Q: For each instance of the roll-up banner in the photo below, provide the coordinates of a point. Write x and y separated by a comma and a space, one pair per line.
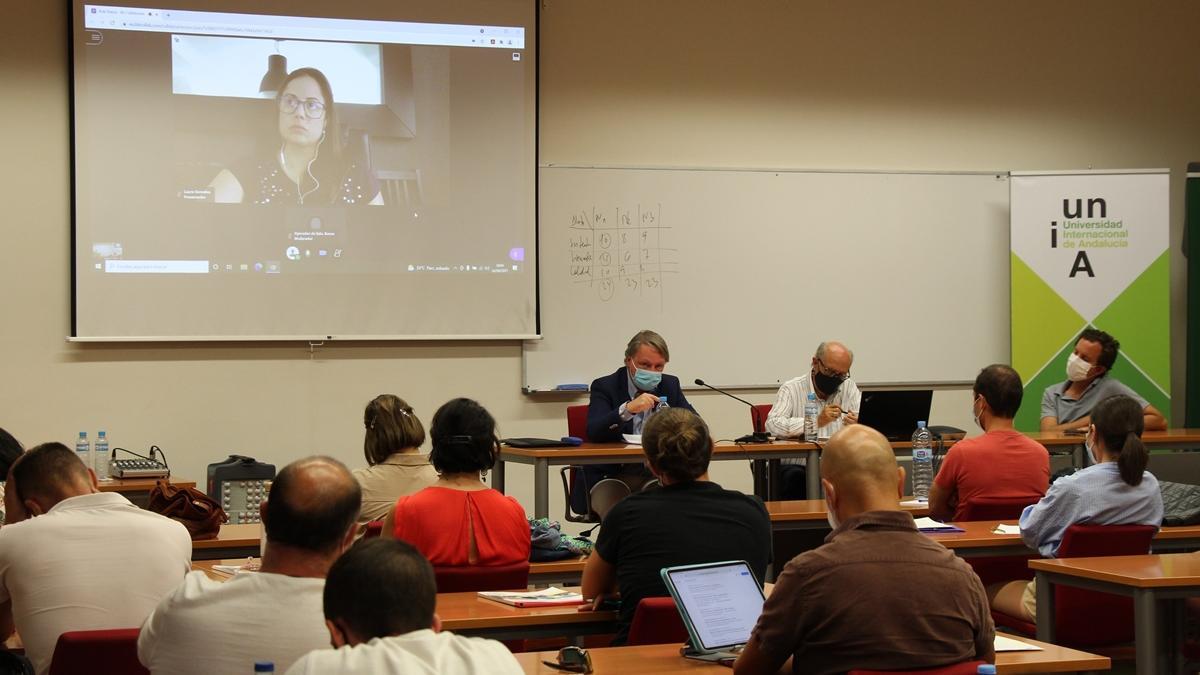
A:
1089, 248
1191, 249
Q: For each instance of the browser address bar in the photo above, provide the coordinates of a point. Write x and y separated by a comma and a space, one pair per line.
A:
98, 17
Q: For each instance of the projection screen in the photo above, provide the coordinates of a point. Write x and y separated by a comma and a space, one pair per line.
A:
271, 170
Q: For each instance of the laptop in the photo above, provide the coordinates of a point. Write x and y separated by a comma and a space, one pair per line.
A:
719, 603
895, 412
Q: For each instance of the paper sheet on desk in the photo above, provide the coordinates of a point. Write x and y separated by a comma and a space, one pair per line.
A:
1007, 644
632, 439
915, 503
1007, 529
927, 524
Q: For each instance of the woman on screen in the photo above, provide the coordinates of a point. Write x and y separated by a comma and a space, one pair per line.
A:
310, 165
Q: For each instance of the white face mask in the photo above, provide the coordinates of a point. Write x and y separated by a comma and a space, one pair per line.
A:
831, 517
1077, 368
1090, 445
978, 416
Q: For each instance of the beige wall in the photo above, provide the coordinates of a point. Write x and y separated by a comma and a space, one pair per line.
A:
866, 84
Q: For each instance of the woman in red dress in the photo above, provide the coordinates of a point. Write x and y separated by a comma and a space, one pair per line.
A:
459, 520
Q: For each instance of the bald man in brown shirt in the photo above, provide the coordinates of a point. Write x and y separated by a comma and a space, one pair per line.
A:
878, 594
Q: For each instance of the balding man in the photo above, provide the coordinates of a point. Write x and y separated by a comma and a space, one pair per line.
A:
74, 558
837, 397
206, 626
878, 594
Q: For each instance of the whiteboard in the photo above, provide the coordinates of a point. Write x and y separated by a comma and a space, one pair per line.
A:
744, 272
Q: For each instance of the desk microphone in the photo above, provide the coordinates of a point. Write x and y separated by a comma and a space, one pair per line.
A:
757, 436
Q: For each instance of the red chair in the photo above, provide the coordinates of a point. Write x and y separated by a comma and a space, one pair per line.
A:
997, 508
577, 421
97, 652
965, 668
656, 621
1000, 568
1090, 618
758, 417
374, 529
458, 579
576, 426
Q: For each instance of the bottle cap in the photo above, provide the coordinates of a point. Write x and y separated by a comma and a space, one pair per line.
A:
920, 425
662, 398
264, 666
812, 396
100, 433
986, 669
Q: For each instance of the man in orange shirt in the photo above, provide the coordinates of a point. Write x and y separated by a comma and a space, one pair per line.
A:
1002, 462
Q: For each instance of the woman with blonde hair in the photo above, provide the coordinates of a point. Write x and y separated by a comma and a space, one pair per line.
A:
392, 446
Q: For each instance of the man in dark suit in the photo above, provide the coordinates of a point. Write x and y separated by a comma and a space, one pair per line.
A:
619, 405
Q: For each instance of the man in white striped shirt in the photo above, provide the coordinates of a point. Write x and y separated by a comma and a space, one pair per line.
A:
838, 399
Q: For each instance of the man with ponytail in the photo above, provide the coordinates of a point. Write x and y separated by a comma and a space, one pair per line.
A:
1117, 490
688, 520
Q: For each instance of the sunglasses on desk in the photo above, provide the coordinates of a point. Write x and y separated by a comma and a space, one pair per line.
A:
572, 660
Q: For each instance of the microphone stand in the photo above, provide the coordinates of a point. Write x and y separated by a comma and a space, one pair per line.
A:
757, 436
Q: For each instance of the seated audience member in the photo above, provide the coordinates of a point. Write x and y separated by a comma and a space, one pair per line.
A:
396, 466
620, 404
1117, 490
89, 560
1067, 405
380, 599
459, 520
10, 449
838, 400
1002, 462
207, 626
878, 594
689, 520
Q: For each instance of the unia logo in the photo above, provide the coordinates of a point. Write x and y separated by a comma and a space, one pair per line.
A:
1082, 232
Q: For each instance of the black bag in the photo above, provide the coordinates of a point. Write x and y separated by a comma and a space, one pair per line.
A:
1181, 503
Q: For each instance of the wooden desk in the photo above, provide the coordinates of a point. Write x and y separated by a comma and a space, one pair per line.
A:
809, 514
137, 490
615, 453
1156, 582
1173, 439
978, 539
468, 614
666, 659
233, 541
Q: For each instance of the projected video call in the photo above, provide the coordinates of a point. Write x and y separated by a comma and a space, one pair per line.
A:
254, 145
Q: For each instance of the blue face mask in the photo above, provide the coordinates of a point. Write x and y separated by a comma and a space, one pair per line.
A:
646, 380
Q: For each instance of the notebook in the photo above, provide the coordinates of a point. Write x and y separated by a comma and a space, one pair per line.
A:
719, 603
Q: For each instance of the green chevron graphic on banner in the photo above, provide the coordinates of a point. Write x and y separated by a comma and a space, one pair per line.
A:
1029, 417
1137, 317
1042, 322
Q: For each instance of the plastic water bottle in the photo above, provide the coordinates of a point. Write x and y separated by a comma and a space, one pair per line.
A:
83, 448
985, 669
101, 456
264, 666
922, 461
810, 418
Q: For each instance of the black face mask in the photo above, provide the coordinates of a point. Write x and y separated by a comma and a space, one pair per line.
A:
826, 384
